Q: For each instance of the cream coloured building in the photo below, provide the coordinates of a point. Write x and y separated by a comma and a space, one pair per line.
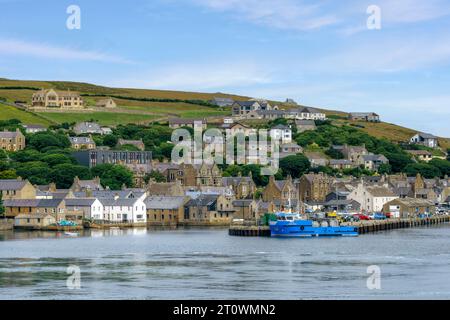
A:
57, 99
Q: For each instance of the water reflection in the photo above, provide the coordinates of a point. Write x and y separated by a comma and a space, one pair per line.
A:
199, 263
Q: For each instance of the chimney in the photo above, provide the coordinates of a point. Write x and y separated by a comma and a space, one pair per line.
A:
88, 193
116, 197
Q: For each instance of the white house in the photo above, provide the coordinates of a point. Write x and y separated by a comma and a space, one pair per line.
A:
425, 139
371, 198
124, 210
92, 208
281, 133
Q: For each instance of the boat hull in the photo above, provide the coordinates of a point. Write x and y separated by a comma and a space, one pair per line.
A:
306, 231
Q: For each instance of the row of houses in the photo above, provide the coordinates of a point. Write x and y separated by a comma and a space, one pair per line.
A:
234, 198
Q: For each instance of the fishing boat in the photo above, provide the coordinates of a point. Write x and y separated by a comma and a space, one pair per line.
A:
289, 224
292, 224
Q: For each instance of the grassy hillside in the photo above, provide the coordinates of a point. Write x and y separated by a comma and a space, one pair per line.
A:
132, 110
8, 112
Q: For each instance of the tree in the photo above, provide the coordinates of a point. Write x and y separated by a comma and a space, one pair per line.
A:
155, 175
334, 154
385, 168
42, 140
8, 174
426, 170
442, 165
295, 165
113, 176
110, 140
398, 161
63, 174
35, 171
55, 159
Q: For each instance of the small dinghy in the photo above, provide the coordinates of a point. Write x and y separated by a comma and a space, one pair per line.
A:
71, 234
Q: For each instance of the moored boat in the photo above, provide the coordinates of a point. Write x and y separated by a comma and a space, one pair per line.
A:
289, 224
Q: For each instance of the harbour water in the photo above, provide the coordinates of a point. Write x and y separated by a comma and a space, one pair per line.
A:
206, 263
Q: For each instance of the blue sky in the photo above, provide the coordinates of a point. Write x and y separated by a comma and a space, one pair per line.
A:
318, 52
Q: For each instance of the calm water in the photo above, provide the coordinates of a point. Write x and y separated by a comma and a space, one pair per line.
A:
209, 264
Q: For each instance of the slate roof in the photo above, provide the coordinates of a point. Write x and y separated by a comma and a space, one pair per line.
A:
202, 200
12, 184
80, 202
166, 203
85, 140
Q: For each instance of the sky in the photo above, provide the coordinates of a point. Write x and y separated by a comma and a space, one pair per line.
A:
320, 53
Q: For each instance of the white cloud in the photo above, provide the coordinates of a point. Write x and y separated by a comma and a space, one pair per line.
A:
40, 50
281, 14
200, 77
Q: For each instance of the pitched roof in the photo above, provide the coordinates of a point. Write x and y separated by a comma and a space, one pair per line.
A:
377, 191
202, 200
12, 184
85, 140
80, 202
118, 202
164, 202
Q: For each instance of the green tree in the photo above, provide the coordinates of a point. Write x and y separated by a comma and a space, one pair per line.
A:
110, 140
55, 159
426, 170
385, 168
113, 176
155, 175
442, 165
42, 140
8, 174
63, 174
295, 165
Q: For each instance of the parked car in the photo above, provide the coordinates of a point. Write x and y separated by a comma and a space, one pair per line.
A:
378, 216
361, 216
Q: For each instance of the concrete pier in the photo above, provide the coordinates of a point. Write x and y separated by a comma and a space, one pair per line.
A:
363, 226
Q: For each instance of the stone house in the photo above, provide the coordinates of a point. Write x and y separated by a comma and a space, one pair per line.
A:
317, 159
176, 123
280, 190
83, 185
12, 141
106, 103
364, 116
409, 207
137, 143
165, 210
17, 189
33, 221
87, 127
165, 189
34, 128
57, 99
246, 209
372, 198
421, 155
86, 143
305, 125
243, 187
314, 187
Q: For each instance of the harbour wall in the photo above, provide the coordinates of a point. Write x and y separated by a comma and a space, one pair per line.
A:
364, 227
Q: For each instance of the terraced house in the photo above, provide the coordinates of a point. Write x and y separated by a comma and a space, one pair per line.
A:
57, 99
12, 140
17, 189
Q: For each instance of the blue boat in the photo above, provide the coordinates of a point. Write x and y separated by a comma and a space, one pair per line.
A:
289, 224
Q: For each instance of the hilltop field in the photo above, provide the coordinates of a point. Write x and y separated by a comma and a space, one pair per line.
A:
134, 107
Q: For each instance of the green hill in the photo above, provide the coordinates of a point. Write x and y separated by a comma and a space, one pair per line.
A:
144, 105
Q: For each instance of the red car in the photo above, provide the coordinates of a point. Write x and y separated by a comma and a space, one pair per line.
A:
361, 216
